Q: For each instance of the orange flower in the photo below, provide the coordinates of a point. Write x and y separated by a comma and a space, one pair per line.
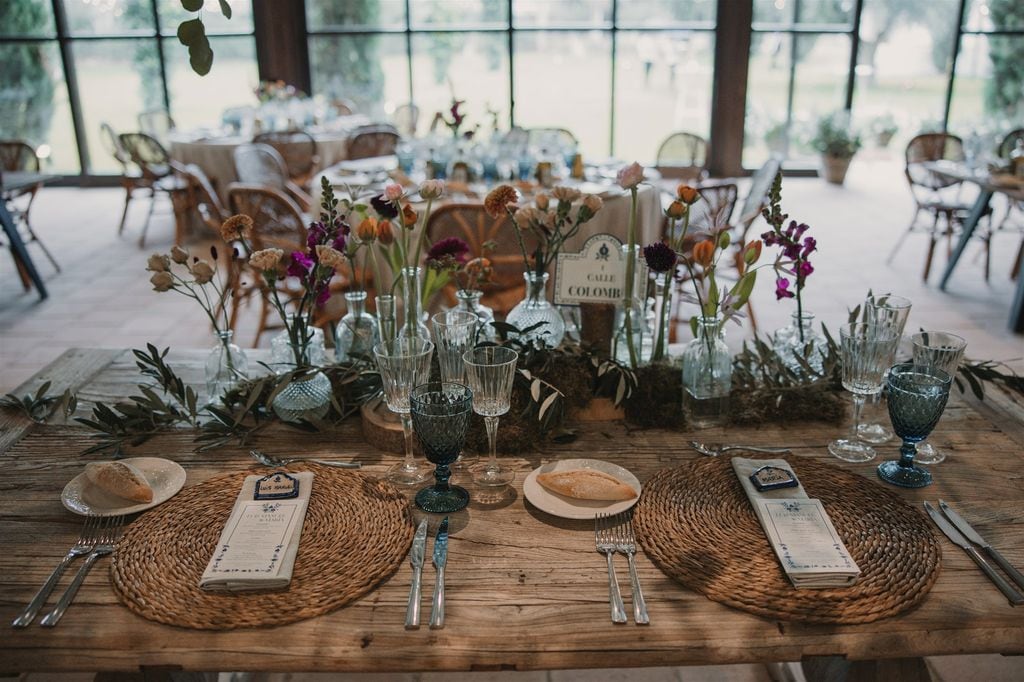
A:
498, 198
385, 234
704, 253
676, 210
367, 230
409, 216
688, 195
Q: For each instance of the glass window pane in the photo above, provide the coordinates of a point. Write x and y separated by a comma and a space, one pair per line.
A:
548, 13
662, 85
994, 15
987, 89
660, 13
767, 91
20, 18
839, 12
370, 70
819, 88
562, 81
172, 14
903, 68
34, 103
333, 14
112, 17
454, 13
469, 66
200, 100
773, 11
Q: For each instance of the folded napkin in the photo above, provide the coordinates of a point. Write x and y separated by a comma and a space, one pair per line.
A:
810, 550
257, 547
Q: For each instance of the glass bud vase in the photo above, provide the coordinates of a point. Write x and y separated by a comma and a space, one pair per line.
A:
663, 311
812, 348
357, 332
311, 351
412, 320
307, 396
536, 308
469, 300
387, 325
226, 365
707, 375
636, 320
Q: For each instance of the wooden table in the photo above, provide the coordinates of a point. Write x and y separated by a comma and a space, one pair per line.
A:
525, 590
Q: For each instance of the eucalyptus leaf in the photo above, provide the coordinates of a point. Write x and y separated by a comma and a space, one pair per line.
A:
194, 5
225, 9
190, 33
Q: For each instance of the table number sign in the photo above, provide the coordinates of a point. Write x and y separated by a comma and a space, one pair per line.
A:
596, 274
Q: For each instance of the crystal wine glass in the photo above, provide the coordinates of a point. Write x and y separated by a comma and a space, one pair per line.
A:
404, 364
440, 415
867, 351
885, 310
917, 397
490, 371
942, 350
454, 333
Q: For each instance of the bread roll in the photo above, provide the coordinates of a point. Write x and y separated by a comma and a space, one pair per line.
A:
121, 479
586, 484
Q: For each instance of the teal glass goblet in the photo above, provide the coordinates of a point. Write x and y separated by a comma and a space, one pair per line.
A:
917, 397
440, 415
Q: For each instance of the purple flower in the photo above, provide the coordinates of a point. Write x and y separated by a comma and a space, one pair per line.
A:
448, 251
660, 257
315, 235
810, 245
383, 207
300, 265
804, 269
322, 296
782, 289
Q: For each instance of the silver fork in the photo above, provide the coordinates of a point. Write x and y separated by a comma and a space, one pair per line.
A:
606, 545
713, 450
110, 531
85, 543
625, 543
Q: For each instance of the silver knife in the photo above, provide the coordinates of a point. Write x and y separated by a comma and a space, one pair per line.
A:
440, 559
953, 534
973, 536
419, 547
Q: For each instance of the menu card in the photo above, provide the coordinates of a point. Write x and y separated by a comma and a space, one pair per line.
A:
257, 547
801, 534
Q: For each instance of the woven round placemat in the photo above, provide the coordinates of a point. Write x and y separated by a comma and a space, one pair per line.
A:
696, 525
356, 533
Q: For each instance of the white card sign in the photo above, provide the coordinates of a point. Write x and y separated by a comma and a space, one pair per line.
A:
597, 274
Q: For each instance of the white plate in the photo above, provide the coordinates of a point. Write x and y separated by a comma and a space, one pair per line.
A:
165, 477
569, 507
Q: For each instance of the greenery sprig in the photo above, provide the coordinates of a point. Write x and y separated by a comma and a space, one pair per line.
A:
41, 405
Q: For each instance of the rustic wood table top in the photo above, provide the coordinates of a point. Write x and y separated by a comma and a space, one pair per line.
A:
525, 590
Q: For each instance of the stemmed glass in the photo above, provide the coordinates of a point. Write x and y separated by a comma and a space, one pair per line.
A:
917, 397
404, 364
867, 351
454, 332
883, 310
942, 350
490, 371
440, 414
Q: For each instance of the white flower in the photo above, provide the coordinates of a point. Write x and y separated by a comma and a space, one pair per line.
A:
630, 176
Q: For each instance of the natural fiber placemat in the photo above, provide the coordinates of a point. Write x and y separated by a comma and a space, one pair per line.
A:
356, 533
696, 525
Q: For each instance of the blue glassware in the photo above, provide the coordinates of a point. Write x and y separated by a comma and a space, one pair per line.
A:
917, 397
440, 415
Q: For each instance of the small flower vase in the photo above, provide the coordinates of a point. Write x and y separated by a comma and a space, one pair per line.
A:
286, 354
707, 375
357, 331
536, 308
307, 396
387, 325
663, 313
469, 300
412, 320
633, 324
812, 348
226, 365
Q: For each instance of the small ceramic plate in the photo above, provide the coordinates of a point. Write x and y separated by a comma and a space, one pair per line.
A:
571, 508
165, 477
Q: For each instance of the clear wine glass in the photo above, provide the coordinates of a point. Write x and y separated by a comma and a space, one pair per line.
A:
490, 371
404, 364
886, 310
867, 352
942, 350
454, 333
917, 397
440, 415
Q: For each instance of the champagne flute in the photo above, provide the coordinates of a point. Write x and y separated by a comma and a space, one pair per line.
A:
942, 350
490, 371
883, 310
404, 364
917, 397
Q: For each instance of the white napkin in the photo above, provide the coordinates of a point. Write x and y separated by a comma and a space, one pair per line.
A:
810, 550
257, 547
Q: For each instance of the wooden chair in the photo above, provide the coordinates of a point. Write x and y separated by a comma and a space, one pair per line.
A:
157, 175
15, 156
298, 150
683, 156
1014, 207
373, 140
156, 123
261, 164
131, 176
406, 119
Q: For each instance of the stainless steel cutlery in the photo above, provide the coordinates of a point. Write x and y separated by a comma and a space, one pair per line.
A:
713, 450
974, 537
614, 533
419, 545
271, 461
605, 543
440, 560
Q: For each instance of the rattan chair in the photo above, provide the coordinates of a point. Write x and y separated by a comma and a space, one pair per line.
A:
406, 118
204, 205
683, 156
262, 165
374, 140
131, 177
157, 175
298, 150
156, 123
1013, 219
18, 155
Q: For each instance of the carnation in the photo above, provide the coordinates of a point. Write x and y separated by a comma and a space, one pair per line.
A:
498, 199
236, 227
329, 256
566, 194
266, 259
450, 250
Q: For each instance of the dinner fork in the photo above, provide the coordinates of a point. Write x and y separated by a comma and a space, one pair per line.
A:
712, 450
109, 532
606, 545
625, 543
85, 543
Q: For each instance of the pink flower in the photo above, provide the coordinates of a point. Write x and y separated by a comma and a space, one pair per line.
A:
630, 176
393, 192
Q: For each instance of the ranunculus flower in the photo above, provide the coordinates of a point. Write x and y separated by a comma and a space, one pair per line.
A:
409, 216
660, 257
236, 227
593, 203
567, 194
162, 281
330, 257
704, 253
393, 192
179, 255
203, 272
630, 176
367, 230
688, 195
431, 189
541, 201
498, 199
266, 259
676, 210
385, 233
158, 262
479, 269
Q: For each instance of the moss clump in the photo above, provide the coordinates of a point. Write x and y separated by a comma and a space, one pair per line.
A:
573, 375
788, 405
657, 400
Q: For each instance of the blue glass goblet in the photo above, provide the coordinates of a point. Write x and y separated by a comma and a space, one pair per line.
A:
917, 397
440, 415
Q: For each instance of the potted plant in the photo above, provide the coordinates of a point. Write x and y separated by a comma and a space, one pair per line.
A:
883, 128
837, 144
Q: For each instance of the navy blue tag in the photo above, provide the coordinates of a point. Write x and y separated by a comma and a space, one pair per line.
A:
772, 478
277, 486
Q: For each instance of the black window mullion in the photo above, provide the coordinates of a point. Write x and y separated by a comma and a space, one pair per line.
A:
952, 66
71, 82
615, 41
160, 57
408, 50
793, 53
511, 69
851, 76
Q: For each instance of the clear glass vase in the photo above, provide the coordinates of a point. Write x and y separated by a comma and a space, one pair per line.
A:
469, 300
663, 312
811, 347
707, 375
308, 395
226, 366
633, 324
536, 308
357, 332
286, 354
412, 319
387, 324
